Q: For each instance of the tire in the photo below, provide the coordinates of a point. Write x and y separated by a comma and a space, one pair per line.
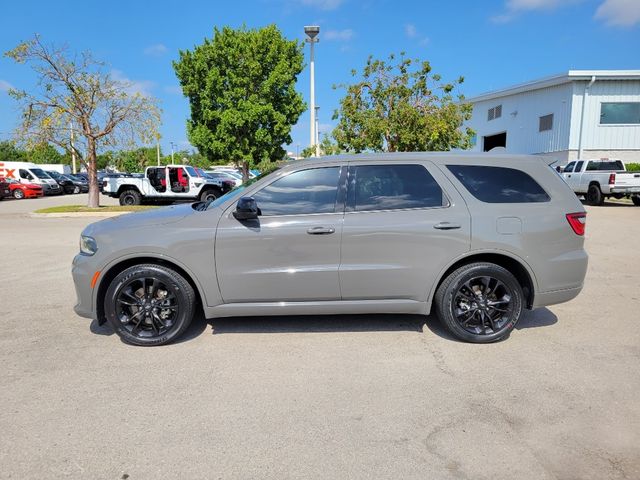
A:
477, 320
209, 194
594, 195
136, 313
636, 200
18, 194
130, 197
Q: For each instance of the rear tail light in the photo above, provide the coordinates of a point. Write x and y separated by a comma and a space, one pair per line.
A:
578, 222
612, 179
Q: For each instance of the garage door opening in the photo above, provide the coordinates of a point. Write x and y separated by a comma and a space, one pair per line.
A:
493, 141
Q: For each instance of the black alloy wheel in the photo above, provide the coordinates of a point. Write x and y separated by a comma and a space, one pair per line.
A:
482, 305
480, 302
149, 304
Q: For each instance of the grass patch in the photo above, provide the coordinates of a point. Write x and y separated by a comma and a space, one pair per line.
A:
84, 208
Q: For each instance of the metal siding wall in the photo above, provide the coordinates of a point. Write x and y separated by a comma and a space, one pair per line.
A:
604, 137
522, 129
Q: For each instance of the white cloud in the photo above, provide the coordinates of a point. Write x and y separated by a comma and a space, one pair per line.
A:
412, 32
322, 4
513, 8
143, 87
173, 89
623, 13
155, 50
339, 35
5, 86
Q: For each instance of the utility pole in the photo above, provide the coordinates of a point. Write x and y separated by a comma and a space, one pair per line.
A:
312, 32
73, 152
158, 151
172, 147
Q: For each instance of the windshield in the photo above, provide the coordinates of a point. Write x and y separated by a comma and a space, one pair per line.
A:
192, 171
38, 172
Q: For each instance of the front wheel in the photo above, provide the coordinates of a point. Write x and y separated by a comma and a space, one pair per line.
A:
636, 200
130, 197
149, 304
76, 189
480, 303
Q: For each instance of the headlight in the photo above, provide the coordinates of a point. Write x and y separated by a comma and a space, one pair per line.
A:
88, 245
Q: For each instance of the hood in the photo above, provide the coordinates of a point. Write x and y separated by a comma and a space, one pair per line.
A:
147, 218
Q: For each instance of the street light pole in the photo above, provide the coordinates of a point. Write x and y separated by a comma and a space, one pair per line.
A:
172, 146
312, 32
317, 139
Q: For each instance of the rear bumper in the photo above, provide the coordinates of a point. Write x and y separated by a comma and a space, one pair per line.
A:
627, 190
554, 297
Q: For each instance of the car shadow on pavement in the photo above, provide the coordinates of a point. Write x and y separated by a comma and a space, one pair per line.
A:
318, 324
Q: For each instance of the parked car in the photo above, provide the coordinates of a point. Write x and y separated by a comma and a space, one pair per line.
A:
26, 172
67, 184
601, 179
164, 184
232, 180
474, 238
82, 181
5, 191
21, 190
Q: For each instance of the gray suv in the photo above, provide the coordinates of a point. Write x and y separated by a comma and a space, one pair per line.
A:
475, 238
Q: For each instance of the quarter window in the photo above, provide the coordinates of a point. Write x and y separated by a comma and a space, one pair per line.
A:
499, 184
392, 187
299, 193
625, 113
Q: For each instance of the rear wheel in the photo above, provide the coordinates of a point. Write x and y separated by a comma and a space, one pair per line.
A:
636, 200
76, 189
209, 195
480, 303
130, 197
18, 194
594, 195
149, 304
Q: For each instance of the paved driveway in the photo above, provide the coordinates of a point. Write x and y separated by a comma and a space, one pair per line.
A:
320, 397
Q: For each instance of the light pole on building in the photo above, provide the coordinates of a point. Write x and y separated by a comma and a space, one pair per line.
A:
312, 32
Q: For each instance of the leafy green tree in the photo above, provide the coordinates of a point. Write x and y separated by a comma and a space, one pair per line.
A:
9, 152
400, 105
241, 90
327, 147
76, 89
44, 153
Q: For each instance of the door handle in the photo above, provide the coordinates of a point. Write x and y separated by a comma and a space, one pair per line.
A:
447, 226
321, 230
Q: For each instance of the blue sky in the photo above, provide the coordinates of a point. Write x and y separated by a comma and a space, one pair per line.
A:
493, 43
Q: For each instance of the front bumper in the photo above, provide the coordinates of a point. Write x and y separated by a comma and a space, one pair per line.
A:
49, 189
82, 271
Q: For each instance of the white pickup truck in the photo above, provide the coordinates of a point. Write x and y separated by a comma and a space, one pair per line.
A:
600, 179
164, 184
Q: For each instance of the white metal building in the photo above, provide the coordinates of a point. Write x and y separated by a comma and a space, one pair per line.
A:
580, 114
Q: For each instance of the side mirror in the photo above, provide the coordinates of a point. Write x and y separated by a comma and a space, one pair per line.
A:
246, 209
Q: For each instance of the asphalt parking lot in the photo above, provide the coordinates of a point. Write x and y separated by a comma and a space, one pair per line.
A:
317, 397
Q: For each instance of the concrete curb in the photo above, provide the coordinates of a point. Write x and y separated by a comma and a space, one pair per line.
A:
76, 214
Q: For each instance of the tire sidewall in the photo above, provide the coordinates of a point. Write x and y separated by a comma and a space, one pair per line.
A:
170, 278
458, 278
594, 195
18, 194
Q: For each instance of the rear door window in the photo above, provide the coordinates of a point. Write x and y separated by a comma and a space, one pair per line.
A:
579, 166
499, 184
392, 187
